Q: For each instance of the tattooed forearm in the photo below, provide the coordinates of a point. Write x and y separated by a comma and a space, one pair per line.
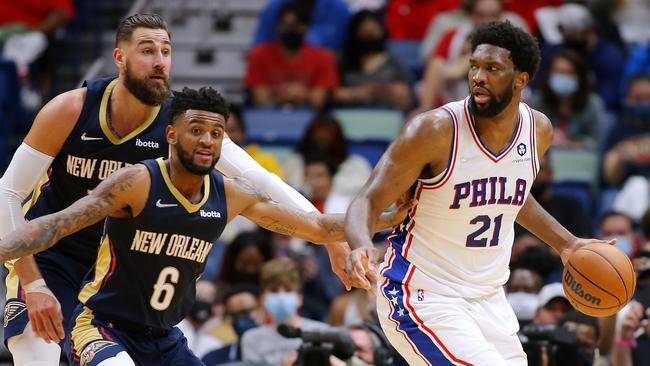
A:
42, 233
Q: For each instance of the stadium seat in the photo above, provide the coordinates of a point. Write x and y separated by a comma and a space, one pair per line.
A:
370, 124
579, 190
575, 165
370, 150
276, 126
408, 53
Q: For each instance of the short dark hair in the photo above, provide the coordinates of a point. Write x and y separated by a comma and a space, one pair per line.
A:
242, 288
580, 318
204, 99
297, 9
129, 24
524, 50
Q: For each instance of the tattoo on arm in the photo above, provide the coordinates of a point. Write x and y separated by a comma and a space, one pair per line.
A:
44, 232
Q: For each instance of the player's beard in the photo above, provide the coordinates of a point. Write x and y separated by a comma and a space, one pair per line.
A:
188, 163
496, 105
147, 92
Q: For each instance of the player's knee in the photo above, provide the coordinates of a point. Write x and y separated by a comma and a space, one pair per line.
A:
28, 349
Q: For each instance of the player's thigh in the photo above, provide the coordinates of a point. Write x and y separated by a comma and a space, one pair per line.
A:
92, 342
427, 329
27, 349
180, 353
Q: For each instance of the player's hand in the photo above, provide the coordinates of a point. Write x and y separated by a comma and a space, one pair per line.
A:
579, 243
338, 253
361, 268
45, 315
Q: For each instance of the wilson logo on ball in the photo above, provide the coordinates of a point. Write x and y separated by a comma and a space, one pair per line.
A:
576, 288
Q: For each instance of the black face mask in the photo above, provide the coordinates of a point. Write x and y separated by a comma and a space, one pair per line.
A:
371, 45
242, 323
201, 311
245, 277
578, 46
291, 39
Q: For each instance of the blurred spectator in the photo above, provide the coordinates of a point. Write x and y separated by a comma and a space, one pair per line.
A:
616, 225
564, 208
244, 258
281, 298
631, 349
645, 230
526, 9
236, 130
327, 21
197, 325
553, 305
632, 19
242, 313
521, 291
445, 77
538, 257
358, 5
587, 331
628, 146
605, 60
450, 20
27, 30
288, 71
353, 307
577, 114
408, 19
324, 137
370, 75
638, 62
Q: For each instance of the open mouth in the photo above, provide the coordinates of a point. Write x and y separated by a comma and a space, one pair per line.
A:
481, 95
204, 155
158, 78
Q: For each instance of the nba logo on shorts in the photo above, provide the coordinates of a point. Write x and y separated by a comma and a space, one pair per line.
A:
420, 294
521, 149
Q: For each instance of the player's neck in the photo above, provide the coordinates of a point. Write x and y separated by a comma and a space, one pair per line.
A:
127, 112
496, 132
188, 184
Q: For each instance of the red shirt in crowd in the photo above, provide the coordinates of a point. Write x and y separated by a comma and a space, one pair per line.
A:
409, 19
32, 12
314, 67
526, 9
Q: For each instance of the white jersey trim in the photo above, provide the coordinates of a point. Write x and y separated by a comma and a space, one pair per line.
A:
441, 179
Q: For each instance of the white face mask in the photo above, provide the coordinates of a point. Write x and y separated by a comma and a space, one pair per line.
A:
523, 304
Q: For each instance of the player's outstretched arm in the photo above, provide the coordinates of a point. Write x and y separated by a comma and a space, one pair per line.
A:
50, 129
244, 199
534, 218
112, 196
425, 141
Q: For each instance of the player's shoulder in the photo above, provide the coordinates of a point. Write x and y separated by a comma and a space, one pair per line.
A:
543, 124
433, 124
65, 108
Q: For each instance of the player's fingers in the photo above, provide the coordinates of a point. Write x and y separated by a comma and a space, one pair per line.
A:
50, 329
612, 242
57, 320
38, 327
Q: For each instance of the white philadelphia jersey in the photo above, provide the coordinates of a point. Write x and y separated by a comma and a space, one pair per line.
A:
459, 236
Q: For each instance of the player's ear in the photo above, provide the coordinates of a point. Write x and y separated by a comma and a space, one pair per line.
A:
118, 57
521, 80
170, 133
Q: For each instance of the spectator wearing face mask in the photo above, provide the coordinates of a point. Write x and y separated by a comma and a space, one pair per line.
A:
281, 298
521, 291
616, 225
241, 313
565, 96
628, 146
197, 325
288, 71
370, 75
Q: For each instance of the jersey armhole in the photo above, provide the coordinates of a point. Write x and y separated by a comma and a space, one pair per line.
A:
440, 179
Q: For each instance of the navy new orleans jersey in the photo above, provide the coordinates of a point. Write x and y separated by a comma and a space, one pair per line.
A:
147, 266
90, 154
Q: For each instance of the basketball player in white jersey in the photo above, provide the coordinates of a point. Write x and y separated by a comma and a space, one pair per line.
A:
472, 163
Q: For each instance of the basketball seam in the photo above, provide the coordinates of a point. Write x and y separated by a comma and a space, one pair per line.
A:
615, 269
595, 285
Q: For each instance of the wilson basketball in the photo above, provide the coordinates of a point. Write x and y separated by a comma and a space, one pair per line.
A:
598, 279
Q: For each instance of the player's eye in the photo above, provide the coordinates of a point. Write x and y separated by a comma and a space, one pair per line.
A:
196, 130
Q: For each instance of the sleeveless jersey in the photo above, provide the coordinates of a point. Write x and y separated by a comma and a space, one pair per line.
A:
460, 234
90, 154
147, 266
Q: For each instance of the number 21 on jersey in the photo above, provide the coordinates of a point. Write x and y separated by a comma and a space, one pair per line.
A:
485, 222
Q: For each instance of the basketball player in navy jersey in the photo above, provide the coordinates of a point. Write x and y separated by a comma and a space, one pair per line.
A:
79, 138
162, 217
472, 162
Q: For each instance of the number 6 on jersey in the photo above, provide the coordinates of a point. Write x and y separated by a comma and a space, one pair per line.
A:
164, 288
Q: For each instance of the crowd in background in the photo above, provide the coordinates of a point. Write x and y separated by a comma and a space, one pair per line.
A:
593, 84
